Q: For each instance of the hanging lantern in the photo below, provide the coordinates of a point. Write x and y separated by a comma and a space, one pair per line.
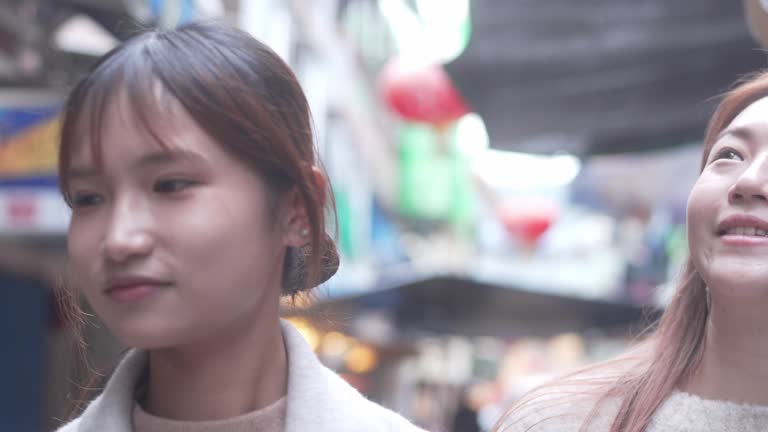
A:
528, 219
421, 93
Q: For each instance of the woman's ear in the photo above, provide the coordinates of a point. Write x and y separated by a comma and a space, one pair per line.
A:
294, 220
321, 184
295, 223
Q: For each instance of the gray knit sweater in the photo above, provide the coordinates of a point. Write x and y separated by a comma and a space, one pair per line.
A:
681, 412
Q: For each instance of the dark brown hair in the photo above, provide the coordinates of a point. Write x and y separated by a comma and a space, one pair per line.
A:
236, 89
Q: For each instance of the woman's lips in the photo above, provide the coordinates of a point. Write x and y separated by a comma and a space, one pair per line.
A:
132, 293
742, 229
744, 240
133, 288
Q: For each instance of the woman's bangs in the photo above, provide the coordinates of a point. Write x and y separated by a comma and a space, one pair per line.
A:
124, 93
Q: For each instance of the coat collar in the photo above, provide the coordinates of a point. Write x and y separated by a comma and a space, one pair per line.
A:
317, 399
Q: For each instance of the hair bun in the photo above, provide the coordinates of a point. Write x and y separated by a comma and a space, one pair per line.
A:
295, 270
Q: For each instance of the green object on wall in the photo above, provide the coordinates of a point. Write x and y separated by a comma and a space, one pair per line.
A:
345, 221
434, 178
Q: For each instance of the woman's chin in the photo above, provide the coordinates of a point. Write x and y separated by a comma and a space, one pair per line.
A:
745, 283
145, 335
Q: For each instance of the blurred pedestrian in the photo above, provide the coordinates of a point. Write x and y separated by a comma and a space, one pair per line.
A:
465, 419
705, 366
197, 201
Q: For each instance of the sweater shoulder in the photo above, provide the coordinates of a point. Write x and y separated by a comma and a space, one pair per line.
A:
362, 411
684, 411
71, 426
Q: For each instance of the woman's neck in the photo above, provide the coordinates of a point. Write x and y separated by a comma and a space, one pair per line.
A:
224, 378
734, 364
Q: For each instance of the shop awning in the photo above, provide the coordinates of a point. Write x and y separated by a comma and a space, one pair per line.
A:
452, 305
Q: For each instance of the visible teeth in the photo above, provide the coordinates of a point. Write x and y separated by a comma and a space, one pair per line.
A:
747, 231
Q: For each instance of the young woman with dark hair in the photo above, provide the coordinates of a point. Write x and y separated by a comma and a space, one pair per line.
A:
705, 366
197, 201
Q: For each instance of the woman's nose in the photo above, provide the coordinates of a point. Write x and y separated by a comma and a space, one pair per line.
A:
129, 234
752, 184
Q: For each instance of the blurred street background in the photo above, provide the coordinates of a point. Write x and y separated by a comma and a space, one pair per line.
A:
511, 179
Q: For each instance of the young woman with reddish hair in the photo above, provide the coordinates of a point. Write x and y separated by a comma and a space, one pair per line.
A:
187, 158
705, 365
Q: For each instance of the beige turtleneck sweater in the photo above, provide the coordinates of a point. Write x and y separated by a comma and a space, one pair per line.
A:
317, 400
268, 419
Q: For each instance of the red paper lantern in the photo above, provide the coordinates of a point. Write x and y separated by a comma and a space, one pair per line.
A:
527, 220
422, 94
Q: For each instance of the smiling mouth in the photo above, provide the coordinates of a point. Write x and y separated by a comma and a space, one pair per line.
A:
743, 232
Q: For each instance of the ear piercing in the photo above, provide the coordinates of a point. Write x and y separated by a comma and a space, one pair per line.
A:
304, 232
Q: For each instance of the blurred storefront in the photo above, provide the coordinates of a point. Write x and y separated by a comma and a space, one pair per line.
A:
44, 47
501, 217
486, 268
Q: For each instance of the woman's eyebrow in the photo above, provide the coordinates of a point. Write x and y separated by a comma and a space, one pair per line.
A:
150, 159
166, 157
741, 132
81, 173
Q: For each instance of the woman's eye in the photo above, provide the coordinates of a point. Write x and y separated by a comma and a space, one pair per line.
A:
171, 186
80, 200
729, 154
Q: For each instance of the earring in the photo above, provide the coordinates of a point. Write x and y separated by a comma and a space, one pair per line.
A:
304, 232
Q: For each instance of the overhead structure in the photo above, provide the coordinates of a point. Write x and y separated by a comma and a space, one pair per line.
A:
601, 77
460, 305
31, 49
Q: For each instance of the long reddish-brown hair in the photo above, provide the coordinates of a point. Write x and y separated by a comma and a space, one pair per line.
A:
643, 378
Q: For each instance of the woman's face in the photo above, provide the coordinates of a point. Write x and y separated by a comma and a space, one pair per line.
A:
172, 245
728, 208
